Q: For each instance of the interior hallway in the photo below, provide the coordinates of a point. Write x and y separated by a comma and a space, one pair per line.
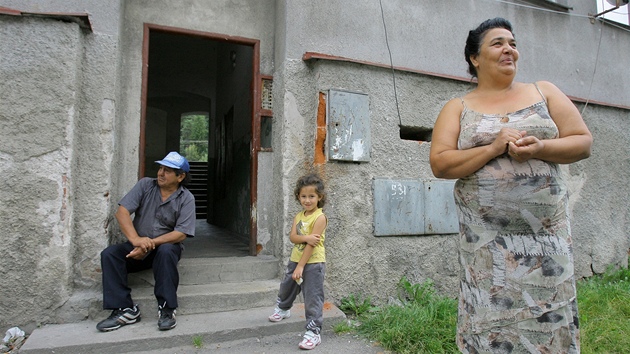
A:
213, 241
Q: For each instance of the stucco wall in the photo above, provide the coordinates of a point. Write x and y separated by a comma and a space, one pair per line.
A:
37, 196
429, 37
57, 112
361, 263
601, 218
70, 113
58, 106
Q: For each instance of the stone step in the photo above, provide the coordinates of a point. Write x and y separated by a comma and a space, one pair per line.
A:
204, 298
83, 337
196, 271
208, 285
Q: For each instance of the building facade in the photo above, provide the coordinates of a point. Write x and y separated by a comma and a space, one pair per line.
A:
92, 92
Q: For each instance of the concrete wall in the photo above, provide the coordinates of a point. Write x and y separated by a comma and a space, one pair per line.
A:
73, 127
57, 108
359, 262
429, 37
70, 114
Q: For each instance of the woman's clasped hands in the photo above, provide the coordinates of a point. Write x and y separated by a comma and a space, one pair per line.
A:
517, 144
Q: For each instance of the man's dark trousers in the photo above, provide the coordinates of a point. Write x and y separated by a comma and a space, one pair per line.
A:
163, 259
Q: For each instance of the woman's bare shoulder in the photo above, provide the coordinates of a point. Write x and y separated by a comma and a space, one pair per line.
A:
454, 103
454, 106
547, 87
451, 111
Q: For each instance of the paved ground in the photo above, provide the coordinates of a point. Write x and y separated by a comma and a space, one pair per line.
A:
231, 332
281, 344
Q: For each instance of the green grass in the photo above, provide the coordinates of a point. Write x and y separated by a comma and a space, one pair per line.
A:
197, 342
604, 309
422, 321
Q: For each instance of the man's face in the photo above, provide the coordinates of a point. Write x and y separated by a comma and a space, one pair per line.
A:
167, 178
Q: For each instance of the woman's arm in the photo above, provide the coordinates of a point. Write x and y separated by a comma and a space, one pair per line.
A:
574, 141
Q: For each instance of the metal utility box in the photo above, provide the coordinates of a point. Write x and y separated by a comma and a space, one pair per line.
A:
348, 123
414, 207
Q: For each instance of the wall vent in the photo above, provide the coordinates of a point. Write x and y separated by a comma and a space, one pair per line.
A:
267, 94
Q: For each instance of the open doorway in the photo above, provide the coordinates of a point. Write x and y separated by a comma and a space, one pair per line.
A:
198, 100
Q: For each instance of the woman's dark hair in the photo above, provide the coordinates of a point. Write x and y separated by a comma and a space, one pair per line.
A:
186, 181
473, 42
311, 180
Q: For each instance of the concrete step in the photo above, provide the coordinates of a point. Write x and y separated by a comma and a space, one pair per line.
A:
204, 298
83, 337
195, 271
208, 285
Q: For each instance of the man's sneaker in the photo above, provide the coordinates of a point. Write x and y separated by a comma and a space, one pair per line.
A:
167, 318
279, 315
310, 340
119, 318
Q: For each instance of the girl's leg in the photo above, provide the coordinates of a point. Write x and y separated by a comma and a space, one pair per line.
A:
313, 288
289, 289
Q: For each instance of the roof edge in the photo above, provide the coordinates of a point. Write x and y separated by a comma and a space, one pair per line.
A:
82, 19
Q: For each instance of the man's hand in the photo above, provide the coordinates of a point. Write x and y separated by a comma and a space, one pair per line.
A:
146, 244
138, 253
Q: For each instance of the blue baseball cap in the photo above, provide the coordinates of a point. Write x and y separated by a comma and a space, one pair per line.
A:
175, 160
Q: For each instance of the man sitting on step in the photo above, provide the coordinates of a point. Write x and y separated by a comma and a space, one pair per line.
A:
164, 215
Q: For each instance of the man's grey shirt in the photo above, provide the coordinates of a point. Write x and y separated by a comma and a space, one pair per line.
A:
154, 218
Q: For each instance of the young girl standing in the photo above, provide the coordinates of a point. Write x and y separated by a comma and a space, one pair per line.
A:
307, 265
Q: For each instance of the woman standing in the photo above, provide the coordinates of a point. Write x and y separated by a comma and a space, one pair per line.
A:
504, 142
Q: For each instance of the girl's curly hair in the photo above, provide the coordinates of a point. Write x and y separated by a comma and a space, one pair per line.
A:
311, 180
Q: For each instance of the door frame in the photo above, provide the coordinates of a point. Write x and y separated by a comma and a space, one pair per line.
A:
256, 100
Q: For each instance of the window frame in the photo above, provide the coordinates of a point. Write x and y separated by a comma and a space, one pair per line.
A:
562, 5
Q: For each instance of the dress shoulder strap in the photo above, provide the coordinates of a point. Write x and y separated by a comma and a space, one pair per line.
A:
540, 92
461, 116
463, 104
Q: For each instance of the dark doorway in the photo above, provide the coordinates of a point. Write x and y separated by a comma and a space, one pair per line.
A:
198, 101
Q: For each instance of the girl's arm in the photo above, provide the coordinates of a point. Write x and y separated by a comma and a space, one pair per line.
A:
314, 237
293, 236
299, 269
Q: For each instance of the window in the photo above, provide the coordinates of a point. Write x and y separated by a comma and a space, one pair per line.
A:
620, 15
562, 5
193, 143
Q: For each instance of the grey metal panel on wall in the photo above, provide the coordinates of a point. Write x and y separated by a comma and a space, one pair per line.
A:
413, 207
348, 122
398, 207
440, 213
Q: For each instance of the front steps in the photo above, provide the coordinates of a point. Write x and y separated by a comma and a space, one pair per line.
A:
210, 285
220, 299
214, 327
